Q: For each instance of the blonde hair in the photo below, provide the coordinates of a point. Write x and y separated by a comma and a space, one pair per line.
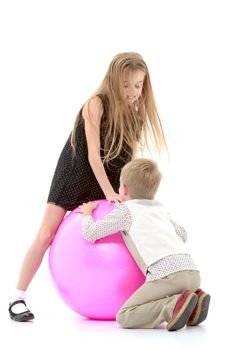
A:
128, 128
142, 178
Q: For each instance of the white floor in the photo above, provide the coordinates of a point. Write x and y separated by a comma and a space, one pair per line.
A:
55, 328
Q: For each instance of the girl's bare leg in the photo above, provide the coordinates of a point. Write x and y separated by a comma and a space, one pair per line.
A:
33, 258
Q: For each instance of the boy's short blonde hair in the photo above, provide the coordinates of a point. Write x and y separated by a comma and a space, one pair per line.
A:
142, 178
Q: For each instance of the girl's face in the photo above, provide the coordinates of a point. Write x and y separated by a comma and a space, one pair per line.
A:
132, 86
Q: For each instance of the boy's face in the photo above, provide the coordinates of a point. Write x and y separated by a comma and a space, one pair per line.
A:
123, 192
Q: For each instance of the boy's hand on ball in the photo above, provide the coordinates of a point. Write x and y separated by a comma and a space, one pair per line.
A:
87, 208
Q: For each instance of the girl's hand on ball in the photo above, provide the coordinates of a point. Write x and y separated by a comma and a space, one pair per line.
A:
113, 197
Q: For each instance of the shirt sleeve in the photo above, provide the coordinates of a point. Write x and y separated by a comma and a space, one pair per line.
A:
180, 231
118, 220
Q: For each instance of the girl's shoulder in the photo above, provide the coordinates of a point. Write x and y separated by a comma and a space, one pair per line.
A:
93, 107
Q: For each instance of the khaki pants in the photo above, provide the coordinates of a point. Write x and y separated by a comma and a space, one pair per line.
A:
153, 303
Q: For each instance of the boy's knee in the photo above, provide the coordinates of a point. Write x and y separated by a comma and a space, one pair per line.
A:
121, 319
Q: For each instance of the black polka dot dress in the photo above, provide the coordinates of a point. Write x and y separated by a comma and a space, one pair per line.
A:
74, 181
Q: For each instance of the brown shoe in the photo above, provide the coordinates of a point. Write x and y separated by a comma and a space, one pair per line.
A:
182, 311
200, 311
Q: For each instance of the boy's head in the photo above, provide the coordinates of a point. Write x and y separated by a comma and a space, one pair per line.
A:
140, 179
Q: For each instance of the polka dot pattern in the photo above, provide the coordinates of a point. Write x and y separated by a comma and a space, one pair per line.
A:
120, 219
170, 264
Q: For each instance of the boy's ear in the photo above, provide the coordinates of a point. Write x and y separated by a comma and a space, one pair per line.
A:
125, 190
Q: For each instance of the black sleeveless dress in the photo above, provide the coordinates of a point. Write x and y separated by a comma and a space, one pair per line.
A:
74, 181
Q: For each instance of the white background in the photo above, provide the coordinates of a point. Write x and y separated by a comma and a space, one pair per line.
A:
54, 54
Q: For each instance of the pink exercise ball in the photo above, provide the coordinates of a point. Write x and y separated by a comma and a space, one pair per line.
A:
93, 279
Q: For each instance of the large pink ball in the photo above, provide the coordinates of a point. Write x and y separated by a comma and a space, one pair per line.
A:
93, 279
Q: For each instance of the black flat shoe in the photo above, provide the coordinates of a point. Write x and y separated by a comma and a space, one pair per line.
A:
23, 316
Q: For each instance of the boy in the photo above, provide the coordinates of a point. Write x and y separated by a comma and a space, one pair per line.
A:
171, 292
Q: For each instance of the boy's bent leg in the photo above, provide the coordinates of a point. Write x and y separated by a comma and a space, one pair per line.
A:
148, 315
154, 302
149, 306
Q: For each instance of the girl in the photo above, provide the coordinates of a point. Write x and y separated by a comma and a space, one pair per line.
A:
110, 127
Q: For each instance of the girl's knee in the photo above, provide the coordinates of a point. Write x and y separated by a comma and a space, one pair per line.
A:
46, 236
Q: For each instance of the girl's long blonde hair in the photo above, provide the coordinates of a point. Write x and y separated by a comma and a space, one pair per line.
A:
128, 127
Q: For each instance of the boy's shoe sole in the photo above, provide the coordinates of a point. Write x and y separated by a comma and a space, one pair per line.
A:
201, 310
184, 314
